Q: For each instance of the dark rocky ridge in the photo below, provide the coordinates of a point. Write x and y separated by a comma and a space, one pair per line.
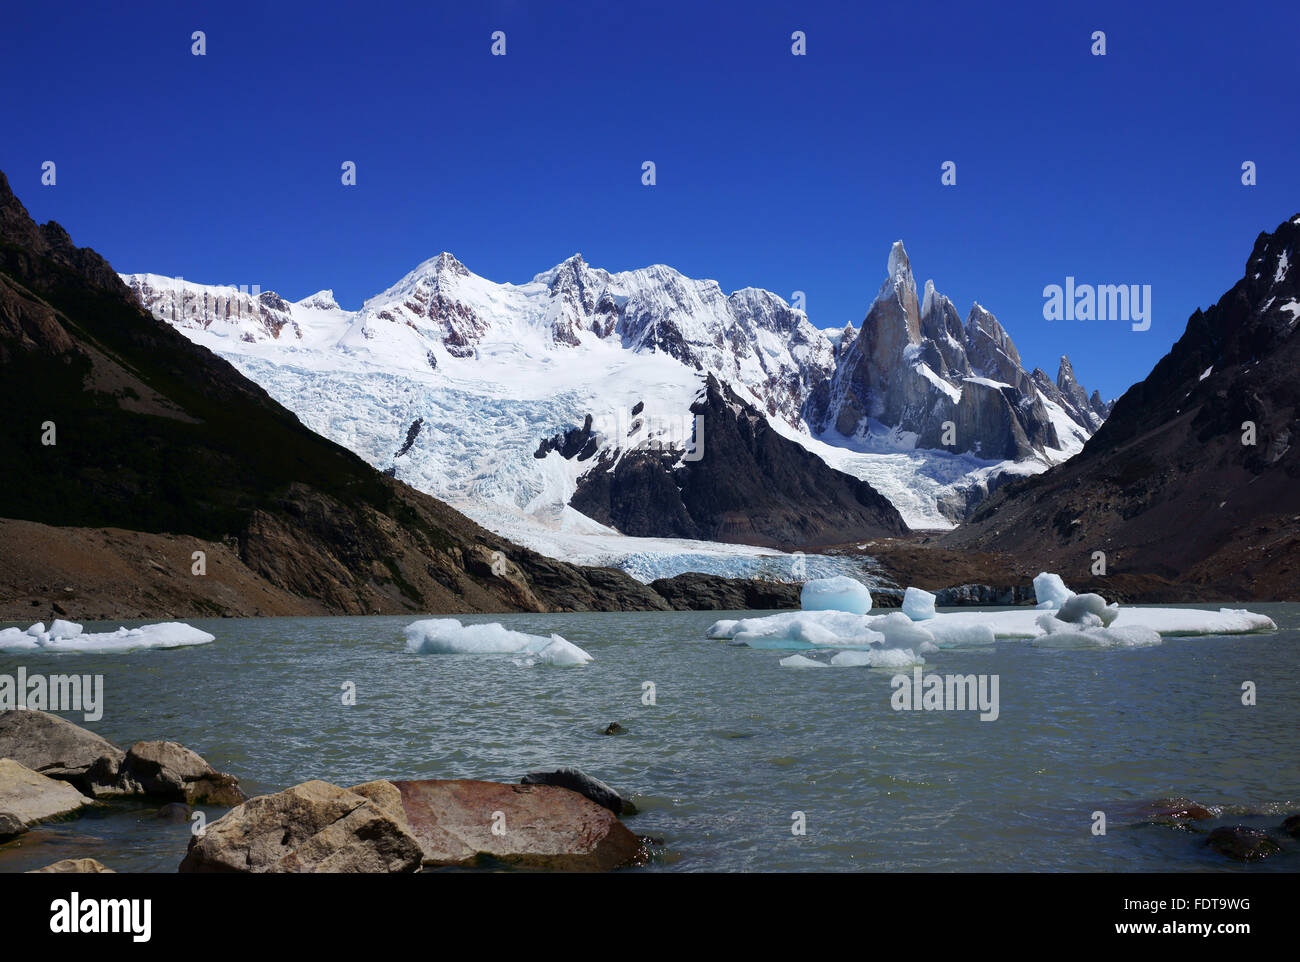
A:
1166, 487
158, 436
751, 486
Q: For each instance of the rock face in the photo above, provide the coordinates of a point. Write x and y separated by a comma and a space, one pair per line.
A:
170, 770
1193, 476
537, 826
914, 367
312, 827
27, 797
694, 591
302, 515
59, 749
983, 595
751, 485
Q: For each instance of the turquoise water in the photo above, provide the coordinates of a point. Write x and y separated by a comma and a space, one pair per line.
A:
735, 744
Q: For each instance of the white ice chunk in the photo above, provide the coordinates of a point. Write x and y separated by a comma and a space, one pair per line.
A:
447, 636
901, 632
1074, 609
799, 661
957, 634
1069, 636
878, 658
840, 593
66, 636
1050, 590
918, 604
559, 652
64, 629
801, 629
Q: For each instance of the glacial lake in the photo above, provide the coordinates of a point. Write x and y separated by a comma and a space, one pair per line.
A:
735, 744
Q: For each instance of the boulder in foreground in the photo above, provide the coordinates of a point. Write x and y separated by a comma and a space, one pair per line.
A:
312, 827
170, 770
28, 797
82, 866
466, 823
57, 748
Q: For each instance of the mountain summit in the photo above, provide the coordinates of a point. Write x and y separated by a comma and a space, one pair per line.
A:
116, 421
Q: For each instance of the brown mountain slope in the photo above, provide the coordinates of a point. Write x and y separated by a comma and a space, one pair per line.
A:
1170, 487
162, 439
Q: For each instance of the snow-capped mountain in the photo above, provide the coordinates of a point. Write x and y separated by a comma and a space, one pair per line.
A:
914, 369
451, 382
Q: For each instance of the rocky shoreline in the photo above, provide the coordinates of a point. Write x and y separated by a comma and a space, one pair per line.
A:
559, 820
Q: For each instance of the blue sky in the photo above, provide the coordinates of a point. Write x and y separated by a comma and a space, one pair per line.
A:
789, 173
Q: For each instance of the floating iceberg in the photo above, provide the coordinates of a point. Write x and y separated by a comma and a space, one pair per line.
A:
840, 593
1070, 621
918, 604
799, 661
1080, 608
447, 636
878, 658
67, 636
1059, 633
853, 658
1050, 590
801, 629
901, 632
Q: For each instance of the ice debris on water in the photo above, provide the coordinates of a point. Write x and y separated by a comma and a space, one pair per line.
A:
70, 637
447, 636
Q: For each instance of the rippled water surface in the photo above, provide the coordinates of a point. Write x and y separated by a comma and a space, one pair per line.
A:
735, 744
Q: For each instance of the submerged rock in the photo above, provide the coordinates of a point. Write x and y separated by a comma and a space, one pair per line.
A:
28, 797
576, 780
84, 866
170, 770
312, 827
1241, 843
1291, 825
57, 748
174, 812
466, 822
1177, 810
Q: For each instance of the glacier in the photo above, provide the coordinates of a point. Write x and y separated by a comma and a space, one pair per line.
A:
449, 382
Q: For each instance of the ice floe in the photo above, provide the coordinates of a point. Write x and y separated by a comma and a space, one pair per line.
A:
1062, 619
447, 636
69, 637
